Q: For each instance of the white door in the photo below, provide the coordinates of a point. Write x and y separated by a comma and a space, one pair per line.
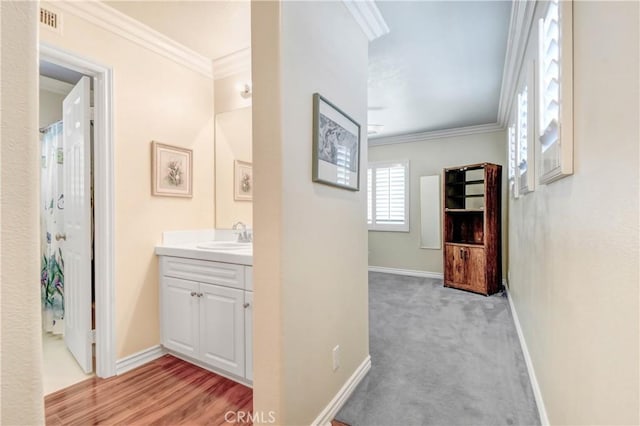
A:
180, 317
77, 223
222, 327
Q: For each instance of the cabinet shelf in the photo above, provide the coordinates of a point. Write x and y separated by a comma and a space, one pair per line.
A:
464, 210
466, 182
463, 244
466, 196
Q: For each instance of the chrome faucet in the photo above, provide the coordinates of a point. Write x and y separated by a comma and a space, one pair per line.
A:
243, 235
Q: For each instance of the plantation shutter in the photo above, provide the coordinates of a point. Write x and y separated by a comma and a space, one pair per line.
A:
549, 75
388, 196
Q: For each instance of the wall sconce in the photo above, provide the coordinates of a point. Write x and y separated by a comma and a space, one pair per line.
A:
246, 91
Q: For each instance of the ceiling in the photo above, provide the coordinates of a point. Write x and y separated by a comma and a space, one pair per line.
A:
440, 67
211, 28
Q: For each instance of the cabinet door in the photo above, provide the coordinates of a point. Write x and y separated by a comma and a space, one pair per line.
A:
475, 260
180, 316
248, 335
455, 265
222, 328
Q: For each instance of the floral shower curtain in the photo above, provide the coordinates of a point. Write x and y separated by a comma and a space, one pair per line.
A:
52, 224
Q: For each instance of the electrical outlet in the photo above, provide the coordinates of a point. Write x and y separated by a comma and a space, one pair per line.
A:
336, 357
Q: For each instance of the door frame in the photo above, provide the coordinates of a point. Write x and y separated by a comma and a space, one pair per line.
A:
103, 183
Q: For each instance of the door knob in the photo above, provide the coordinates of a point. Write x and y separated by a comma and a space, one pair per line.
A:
246, 305
61, 237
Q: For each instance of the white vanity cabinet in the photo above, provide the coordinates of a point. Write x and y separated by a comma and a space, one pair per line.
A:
206, 314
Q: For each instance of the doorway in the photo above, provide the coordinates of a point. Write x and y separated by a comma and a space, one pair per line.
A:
66, 224
77, 254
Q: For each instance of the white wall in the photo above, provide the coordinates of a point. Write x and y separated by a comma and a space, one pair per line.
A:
228, 90
50, 107
233, 142
310, 239
401, 250
21, 394
154, 99
574, 243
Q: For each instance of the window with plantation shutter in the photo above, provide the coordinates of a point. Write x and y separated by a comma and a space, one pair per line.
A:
523, 134
513, 163
549, 76
388, 196
555, 109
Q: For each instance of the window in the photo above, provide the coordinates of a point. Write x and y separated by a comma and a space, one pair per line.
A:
555, 97
513, 162
523, 138
524, 170
388, 196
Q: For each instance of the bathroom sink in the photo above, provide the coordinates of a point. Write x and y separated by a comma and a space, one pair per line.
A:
225, 246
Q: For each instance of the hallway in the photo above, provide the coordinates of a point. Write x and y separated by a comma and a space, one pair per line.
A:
440, 356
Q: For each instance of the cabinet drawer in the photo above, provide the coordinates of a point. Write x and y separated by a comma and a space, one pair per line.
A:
225, 274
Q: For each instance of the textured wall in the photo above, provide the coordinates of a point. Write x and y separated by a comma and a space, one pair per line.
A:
20, 323
311, 239
574, 243
402, 250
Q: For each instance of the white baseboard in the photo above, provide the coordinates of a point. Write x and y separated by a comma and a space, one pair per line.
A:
406, 272
329, 412
138, 359
542, 411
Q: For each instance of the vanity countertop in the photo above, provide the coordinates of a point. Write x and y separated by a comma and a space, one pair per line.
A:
187, 246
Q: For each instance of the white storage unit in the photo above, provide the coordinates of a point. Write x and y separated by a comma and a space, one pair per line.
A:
206, 314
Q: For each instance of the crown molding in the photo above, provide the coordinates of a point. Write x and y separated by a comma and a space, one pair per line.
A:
123, 25
521, 21
436, 134
234, 63
368, 16
54, 86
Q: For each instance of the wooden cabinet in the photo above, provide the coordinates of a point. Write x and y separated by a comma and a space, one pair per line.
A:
472, 228
208, 323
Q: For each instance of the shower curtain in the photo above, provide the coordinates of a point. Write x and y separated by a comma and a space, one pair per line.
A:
51, 226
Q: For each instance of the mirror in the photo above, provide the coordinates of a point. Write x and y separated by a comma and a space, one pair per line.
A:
430, 212
233, 173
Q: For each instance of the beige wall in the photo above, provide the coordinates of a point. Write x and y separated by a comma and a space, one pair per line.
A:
50, 107
228, 92
154, 99
20, 323
310, 239
401, 250
574, 243
233, 142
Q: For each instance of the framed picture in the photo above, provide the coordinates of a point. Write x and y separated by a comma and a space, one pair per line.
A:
171, 170
242, 181
336, 146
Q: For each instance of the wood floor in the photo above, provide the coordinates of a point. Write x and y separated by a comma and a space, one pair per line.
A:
167, 391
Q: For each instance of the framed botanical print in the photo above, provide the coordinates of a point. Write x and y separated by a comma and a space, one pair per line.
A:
242, 181
171, 170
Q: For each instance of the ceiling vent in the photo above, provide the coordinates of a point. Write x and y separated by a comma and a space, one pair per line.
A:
51, 20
